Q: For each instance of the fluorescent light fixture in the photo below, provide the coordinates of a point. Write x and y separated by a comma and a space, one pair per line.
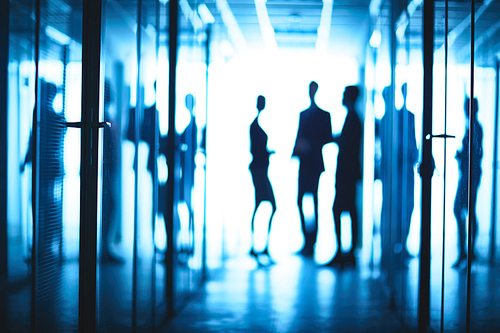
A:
231, 24
57, 36
324, 26
191, 15
205, 14
266, 27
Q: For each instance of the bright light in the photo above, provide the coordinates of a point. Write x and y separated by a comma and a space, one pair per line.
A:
376, 39
205, 14
57, 36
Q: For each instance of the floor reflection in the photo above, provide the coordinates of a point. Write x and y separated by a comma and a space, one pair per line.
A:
294, 295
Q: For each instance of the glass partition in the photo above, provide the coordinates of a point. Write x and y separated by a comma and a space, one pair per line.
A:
118, 171
20, 101
190, 153
54, 151
484, 47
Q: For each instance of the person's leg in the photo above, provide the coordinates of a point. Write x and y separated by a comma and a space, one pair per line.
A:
336, 220
252, 250
314, 229
354, 227
338, 258
458, 207
273, 206
474, 220
300, 198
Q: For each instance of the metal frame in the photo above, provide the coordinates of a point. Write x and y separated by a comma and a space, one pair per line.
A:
426, 168
4, 77
91, 56
171, 155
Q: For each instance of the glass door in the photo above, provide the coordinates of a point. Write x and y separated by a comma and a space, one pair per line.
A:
54, 153
463, 279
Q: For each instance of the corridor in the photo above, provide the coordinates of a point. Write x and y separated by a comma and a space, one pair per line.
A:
295, 295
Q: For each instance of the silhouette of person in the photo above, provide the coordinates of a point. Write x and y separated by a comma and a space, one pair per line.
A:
148, 129
461, 200
110, 172
348, 173
52, 129
406, 157
315, 130
187, 152
259, 170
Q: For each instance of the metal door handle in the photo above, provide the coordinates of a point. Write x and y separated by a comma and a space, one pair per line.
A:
444, 136
78, 124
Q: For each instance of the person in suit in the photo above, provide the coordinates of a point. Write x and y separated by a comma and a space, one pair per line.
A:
259, 170
460, 208
406, 156
348, 173
315, 130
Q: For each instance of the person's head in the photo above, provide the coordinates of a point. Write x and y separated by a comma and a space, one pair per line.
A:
261, 103
351, 94
189, 102
467, 106
313, 88
404, 90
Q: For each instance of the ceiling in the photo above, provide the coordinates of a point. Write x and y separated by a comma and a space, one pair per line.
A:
339, 26
332, 26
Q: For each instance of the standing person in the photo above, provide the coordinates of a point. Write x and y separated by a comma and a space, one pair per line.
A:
110, 183
348, 173
406, 157
315, 130
188, 142
461, 199
259, 170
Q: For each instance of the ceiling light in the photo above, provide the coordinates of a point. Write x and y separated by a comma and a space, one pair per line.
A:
57, 36
205, 14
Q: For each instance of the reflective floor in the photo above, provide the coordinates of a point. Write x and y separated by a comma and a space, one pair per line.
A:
295, 295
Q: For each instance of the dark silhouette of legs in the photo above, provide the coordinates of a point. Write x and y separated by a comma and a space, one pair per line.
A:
308, 185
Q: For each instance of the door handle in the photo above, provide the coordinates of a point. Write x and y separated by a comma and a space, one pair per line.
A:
78, 124
443, 136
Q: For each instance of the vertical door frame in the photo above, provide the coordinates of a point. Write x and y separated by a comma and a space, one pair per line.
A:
426, 168
4, 79
91, 56
173, 28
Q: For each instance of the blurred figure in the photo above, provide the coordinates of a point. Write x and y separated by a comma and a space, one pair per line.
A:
110, 172
348, 174
461, 200
259, 170
315, 130
50, 160
406, 157
148, 130
187, 152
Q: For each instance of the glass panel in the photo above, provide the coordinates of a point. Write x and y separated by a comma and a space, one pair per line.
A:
190, 121
20, 104
119, 167
396, 41
147, 200
407, 129
484, 282
56, 232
